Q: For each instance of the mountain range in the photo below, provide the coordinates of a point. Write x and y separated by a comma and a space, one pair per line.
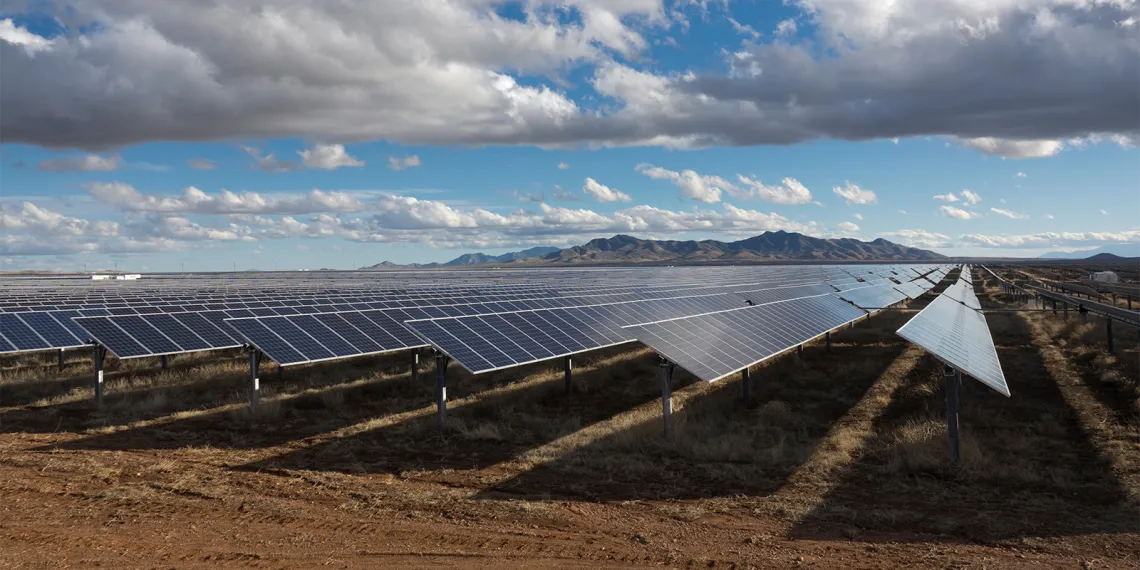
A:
768, 246
1121, 250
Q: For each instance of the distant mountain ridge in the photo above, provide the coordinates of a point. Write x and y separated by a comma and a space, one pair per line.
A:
768, 246
476, 258
1120, 250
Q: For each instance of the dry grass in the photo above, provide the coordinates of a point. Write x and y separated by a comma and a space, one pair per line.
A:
849, 443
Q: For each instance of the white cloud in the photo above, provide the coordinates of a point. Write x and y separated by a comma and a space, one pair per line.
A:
81, 163
269, 162
790, 191
201, 164
919, 238
193, 200
786, 28
958, 213
706, 189
1049, 216
949, 197
1053, 239
328, 157
970, 197
563, 195
904, 212
744, 29
1009, 214
853, 194
528, 197
1104, 212
603, 193
446, 73
1007, 148
398, 163
1020, 175
847, 227
563, 166
858, 216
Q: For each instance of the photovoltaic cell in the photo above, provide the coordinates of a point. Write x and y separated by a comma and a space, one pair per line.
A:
106, 333
714, 345
50, 330
959, 336
20, 334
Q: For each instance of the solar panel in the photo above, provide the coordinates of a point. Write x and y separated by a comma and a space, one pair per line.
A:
49, 329
715, 345
874, 297
19, 334
957, 335
106, 333
304, 338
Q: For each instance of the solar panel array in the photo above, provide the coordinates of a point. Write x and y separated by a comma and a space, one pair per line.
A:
954, 330
486, 320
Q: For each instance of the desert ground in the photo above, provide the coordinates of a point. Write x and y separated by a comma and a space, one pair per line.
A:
839, 460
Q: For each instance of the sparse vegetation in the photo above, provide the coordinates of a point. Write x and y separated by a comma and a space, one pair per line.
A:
844, 448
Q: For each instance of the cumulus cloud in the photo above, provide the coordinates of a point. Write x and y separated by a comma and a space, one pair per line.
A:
80, 163
949, 197
1053, 239
563, 166
1104, 212
441, 73
403, 163
603, 193
858, 216
328, 157
958, 213
201, 164
528, 196
193, 200
1020, 175
919, 238
970, 197
269, 162
847, 227
563, 195
853, 194
711, 188
701, 188
1008, 148
1009, 214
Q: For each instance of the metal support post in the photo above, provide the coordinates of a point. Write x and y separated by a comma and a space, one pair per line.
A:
567, 370
164, 361
952, 407
666, 399
415, 367
1129, 302
827, 340
800, 351
1055, 306
254, 381
1066, 308
100, 353
1108, 327
1084, 314
61, 359
746, 386
441, 388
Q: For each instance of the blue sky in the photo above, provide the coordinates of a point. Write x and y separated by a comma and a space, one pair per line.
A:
160, 137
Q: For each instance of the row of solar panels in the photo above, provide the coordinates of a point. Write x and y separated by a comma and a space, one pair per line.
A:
954, 329
55, 329
327, 336
229, 300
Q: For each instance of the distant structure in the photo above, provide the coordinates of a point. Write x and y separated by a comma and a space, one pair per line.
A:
1105, 277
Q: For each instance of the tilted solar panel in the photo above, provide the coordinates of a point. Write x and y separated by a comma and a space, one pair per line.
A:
957, 335
874, 297
715, 345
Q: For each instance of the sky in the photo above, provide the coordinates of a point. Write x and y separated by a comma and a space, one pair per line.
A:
305, 134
